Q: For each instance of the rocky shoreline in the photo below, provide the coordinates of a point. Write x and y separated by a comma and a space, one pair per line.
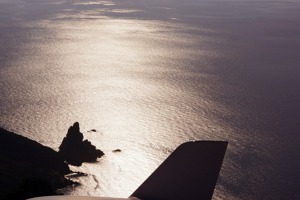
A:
29, 169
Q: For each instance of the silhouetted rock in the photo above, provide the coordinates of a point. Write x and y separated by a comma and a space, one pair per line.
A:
22, 160
33, 187
75, 150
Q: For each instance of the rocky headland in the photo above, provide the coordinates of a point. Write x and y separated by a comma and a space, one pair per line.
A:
30, 169
26, 164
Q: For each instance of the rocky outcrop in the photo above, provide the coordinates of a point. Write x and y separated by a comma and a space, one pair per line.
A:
75, 150
24, 164
29, 169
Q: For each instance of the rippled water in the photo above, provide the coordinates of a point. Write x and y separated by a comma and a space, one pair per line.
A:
149, 75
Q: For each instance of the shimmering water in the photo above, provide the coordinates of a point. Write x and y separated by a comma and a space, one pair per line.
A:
149, 75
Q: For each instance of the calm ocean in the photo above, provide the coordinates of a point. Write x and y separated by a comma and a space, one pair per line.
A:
148, 75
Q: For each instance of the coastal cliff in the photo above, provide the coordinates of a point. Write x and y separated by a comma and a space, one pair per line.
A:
26, 164
30, 169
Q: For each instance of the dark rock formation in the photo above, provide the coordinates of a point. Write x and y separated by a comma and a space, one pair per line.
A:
75, 150
116, 150
33, 187
25, 163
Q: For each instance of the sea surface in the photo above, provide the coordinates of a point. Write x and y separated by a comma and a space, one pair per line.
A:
148, 75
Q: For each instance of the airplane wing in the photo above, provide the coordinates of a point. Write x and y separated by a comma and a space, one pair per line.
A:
189, 173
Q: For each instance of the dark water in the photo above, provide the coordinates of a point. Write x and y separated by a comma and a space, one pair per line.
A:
149, 75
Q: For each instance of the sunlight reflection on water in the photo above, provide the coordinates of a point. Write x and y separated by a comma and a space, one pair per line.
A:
151, 75
121, 78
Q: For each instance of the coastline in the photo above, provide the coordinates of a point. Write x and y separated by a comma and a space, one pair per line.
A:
29, 169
